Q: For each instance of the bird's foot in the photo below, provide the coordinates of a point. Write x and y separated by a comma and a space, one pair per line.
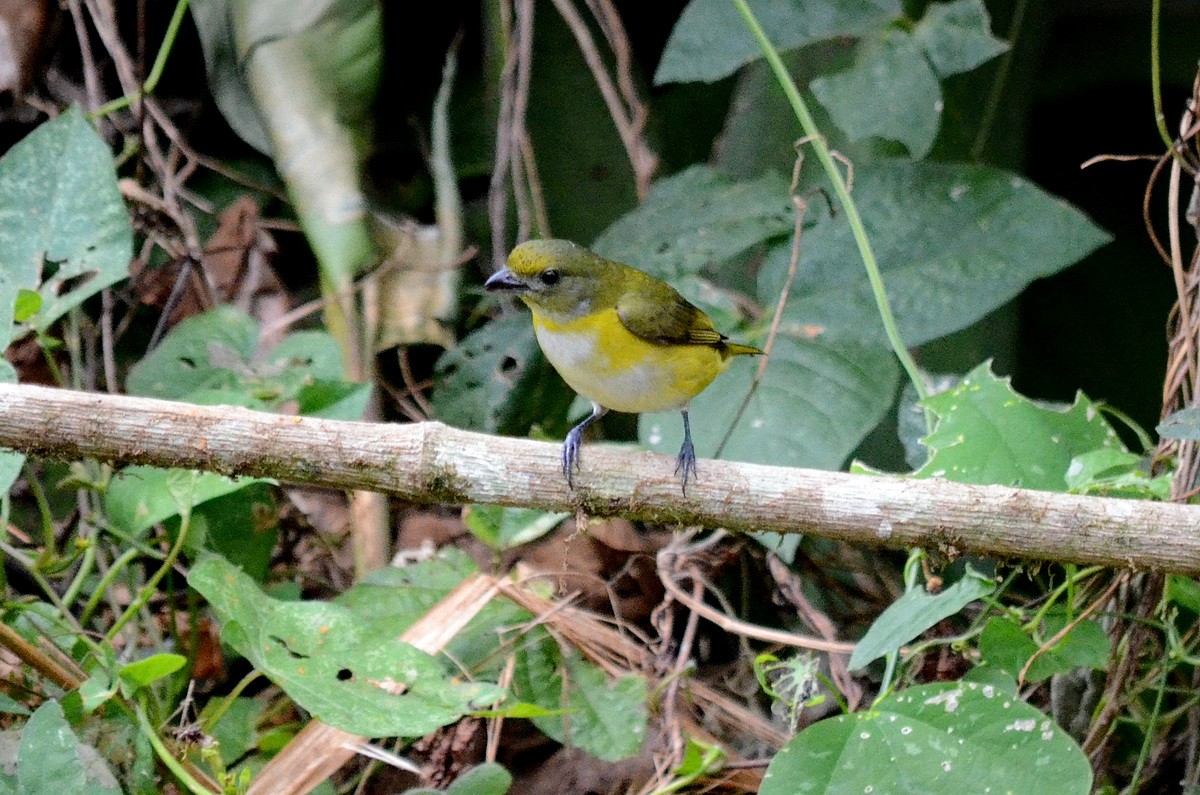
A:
686, 463
570, 454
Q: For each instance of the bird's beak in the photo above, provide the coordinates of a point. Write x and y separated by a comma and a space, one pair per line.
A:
503, 279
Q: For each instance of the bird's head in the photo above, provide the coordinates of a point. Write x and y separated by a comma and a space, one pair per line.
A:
559, 278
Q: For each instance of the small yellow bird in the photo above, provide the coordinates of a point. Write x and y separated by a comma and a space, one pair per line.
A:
621, 338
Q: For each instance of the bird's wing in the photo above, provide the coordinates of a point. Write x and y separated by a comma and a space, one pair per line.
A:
657, 313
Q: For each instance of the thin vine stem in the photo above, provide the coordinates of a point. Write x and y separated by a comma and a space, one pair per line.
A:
848, 206
156, 70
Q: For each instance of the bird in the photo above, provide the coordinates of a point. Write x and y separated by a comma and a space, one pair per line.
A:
619, 337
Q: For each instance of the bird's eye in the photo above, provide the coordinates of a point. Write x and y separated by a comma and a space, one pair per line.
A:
550, 277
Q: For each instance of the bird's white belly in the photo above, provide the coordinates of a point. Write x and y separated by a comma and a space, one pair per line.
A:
632, 388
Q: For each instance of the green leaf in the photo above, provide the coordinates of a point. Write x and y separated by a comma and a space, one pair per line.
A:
607, 719
64, 229
237, 730
497, 381
816, 402
504, 528
212, 359
953, 242
1007, 647
241, 527
906, 99
388, 601
957, 36
486, 779
27, 305
915, 612
322, 657
1184, 591
711, 40
987, 433
1182, 424
333, 400
1112, 472
150, 669
948, 737
97, 689
52, 761
10, 706
11, 461
697, 218
140, 497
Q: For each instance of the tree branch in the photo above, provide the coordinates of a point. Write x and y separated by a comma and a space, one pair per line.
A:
431, 463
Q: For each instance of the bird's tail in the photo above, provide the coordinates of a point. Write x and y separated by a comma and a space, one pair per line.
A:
733, 349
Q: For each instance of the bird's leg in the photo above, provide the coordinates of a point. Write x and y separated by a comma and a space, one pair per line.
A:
570, 450
687, 453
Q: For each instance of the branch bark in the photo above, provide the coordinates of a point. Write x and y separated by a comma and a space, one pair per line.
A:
430, 462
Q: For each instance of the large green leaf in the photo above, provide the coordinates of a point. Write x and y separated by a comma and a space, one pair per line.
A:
497, 380
906, 100
213, 358
816, 402
957, 36
1006, 646
391, 599
951, 737
606, 718
64, 230
140, 497
953, 243
697, 218
987, 433
711, 40
913, 613
52, 761
324, 658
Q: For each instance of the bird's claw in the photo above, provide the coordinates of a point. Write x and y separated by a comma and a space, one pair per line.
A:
686, 462
570, 455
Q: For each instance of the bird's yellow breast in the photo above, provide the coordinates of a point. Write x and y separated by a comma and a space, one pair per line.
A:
600, 359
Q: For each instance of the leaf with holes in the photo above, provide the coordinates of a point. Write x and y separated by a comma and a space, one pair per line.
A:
497, 381
987, 433
64, 229
213, 358
947, 737
323, 657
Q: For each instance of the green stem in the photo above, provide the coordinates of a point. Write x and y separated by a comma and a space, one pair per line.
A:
1072, 578
156, 70
817, 141
50, 553
1150, 729
85, 570
106, 583
167, 758
1160, 120
147, 591
211, 721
